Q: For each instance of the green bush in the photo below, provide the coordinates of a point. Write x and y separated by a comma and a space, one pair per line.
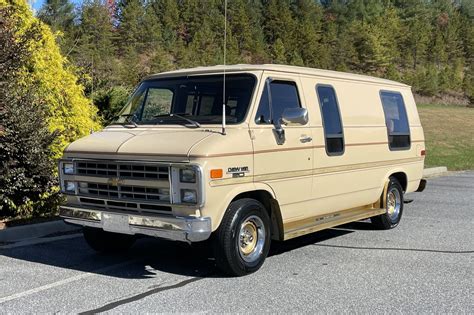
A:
27, 182
110, 101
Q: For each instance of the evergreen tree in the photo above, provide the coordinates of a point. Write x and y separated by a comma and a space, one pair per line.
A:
407, 40
131, 25
309, 20
95, 51
58, 14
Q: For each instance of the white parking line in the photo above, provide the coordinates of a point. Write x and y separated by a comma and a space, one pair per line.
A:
64, 281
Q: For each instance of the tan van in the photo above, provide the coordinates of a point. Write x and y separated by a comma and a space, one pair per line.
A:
296, 150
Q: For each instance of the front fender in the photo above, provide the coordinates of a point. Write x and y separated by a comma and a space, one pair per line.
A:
219, 198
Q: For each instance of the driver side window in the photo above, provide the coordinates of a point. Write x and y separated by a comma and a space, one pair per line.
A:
284, 94
157, 102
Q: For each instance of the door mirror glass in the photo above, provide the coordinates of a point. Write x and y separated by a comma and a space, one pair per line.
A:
294, 116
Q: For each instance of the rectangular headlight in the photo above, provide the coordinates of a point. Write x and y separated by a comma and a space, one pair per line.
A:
70, 187
187, 175
188, 196
68, 168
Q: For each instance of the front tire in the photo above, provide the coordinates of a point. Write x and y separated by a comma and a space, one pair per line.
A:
242, 240
107, 242
394, 207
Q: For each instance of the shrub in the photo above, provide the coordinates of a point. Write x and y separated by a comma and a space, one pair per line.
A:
110, 101
51, 79
27, 181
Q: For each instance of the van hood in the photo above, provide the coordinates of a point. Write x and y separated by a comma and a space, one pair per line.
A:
172, 142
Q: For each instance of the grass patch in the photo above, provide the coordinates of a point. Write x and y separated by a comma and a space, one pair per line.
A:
449, 136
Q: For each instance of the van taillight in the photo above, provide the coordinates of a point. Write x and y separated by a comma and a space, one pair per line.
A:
423, 153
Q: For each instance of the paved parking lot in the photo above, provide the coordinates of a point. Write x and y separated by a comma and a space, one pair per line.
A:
424, 265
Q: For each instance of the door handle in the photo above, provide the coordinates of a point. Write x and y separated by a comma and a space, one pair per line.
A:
305, 139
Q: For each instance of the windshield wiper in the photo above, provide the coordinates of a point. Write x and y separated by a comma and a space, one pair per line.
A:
192, 122
129, 119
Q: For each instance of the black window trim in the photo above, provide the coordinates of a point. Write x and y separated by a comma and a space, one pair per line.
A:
396, 133
268, 81
331, 136
243, 73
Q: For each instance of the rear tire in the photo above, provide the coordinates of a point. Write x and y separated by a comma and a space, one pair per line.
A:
242, 240
107, 242
393, 206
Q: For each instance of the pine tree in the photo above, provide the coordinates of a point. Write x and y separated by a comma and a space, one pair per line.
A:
244, 20
416, 32
95, 51
58, 14
168, 14
280, 26
131, 25
309, 20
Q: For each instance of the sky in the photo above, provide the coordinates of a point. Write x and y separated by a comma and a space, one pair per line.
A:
36, 4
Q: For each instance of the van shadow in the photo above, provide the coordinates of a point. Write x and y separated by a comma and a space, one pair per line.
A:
149, 256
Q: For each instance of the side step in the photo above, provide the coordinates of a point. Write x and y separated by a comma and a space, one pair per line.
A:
313, 224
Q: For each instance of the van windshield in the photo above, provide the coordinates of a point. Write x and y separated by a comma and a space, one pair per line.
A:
196, 98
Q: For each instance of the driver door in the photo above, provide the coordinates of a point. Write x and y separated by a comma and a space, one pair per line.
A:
286, 166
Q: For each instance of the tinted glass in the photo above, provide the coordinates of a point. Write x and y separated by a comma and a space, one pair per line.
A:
158, 102
198, 98
331, 120
395, 114
329, 111
284, 95
396, 120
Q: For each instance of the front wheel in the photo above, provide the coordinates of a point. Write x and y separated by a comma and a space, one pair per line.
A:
394, 207
242, 240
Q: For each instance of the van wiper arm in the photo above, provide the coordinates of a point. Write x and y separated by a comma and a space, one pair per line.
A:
192, 122
129, 119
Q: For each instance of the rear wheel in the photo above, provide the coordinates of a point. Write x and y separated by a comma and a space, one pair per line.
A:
242, 241
394, 207
107, 242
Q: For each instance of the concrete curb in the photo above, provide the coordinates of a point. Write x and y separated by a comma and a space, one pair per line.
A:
38, 230
435, 171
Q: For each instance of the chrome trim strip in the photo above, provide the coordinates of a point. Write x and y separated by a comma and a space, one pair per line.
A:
185, 229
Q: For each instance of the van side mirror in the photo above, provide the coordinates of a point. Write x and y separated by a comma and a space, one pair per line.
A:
290, 117
294, 116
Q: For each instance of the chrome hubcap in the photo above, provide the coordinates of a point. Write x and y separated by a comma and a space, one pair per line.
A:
251, 238
393, 203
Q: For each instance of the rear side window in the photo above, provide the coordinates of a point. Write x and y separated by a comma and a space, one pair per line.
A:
331, 120
396, 120
284, 95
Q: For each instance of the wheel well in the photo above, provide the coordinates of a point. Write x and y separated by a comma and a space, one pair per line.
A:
272, 207
402, 178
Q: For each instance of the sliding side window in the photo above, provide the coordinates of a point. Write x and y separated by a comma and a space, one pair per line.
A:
396, 120
331, 120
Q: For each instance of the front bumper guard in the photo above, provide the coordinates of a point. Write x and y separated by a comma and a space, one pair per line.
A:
186, 229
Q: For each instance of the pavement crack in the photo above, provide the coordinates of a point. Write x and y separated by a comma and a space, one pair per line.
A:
400, 249
140, 296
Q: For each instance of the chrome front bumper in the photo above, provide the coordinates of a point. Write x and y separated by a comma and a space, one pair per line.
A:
186, 229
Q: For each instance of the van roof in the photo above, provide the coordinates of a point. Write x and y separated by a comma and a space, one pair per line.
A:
279, 68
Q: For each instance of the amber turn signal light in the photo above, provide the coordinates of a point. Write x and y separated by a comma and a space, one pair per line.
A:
217, 173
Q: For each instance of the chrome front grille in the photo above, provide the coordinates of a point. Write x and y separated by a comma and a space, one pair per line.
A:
122, 170
123, 185
150, 194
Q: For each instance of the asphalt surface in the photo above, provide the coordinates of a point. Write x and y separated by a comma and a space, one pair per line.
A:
425, 265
